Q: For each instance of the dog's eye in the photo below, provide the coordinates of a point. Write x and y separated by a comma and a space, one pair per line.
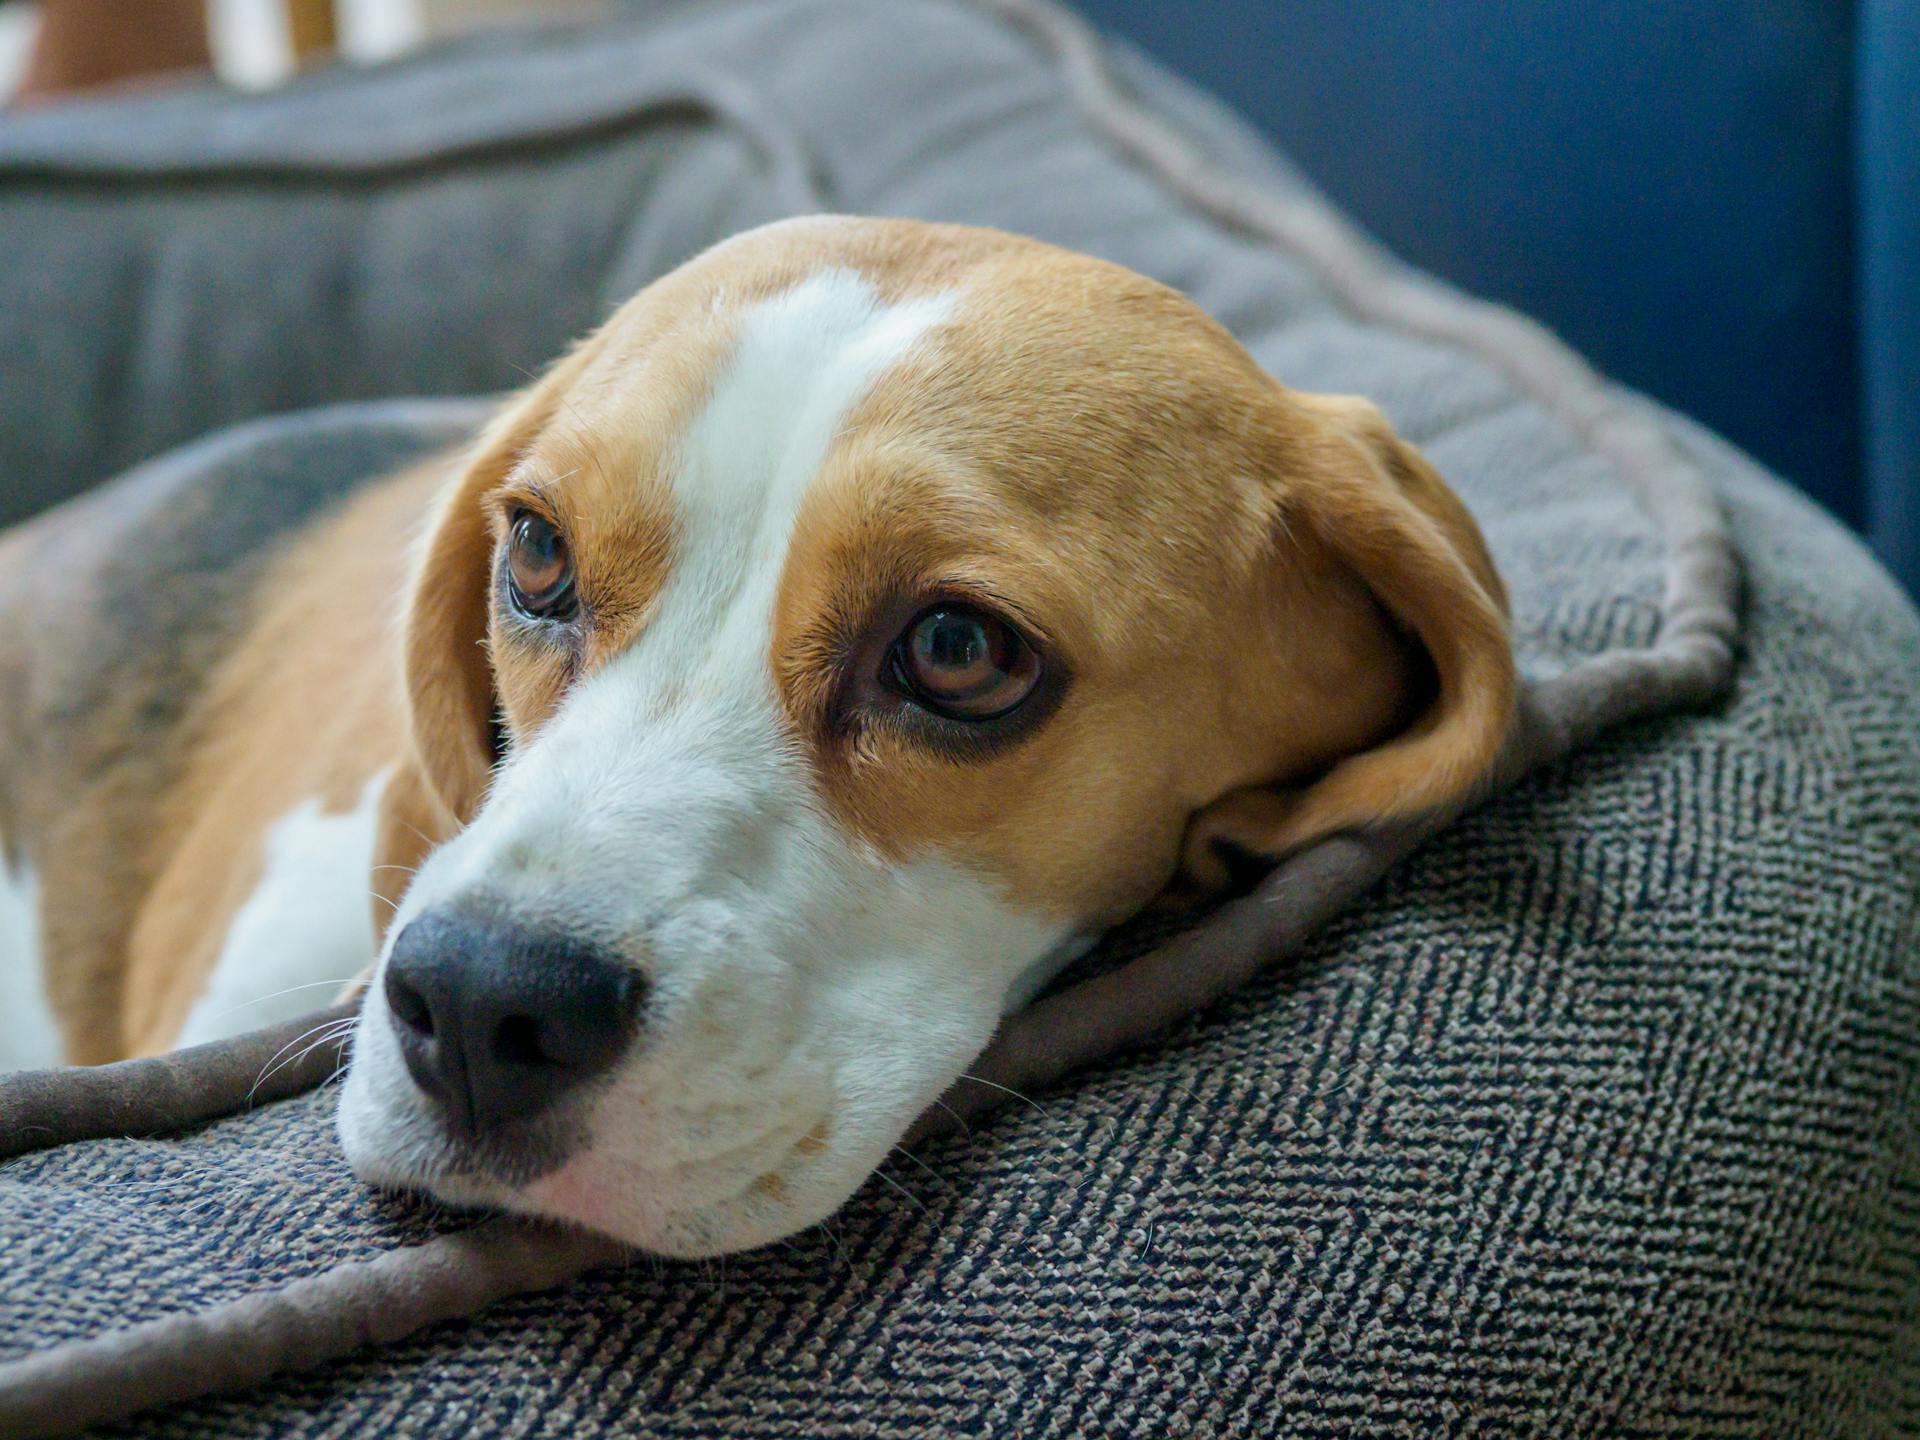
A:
964, 663
539, 569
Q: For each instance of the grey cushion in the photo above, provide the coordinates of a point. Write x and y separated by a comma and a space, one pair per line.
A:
1602, 1117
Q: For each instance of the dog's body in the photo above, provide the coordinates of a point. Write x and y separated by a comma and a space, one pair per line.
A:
865, 618
144, 769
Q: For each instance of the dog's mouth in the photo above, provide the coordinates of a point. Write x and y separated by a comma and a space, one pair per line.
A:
739, 1198
713, 1180
747, 1091
513, 1155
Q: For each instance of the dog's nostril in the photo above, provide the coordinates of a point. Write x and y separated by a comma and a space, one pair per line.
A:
409, 1006
496, 1022
516, 1041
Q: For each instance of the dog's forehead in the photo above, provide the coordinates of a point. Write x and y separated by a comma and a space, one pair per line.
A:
1056, 375
773, 394
739, 374
762, 414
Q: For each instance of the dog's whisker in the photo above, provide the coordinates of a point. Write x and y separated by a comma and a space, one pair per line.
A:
335, 1037
270, 1066
931, 1172
833, 1238
328, 1030
275, 995
419, 834
911, 1198
960, 1120
1027, 1100
317, 1044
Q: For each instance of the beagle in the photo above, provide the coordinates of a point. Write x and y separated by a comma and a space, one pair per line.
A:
778, 692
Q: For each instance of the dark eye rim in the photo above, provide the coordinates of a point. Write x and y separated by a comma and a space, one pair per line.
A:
558, 605
868, 698
899, 669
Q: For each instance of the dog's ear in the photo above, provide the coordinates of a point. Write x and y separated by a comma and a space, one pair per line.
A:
453, 709
1374, 503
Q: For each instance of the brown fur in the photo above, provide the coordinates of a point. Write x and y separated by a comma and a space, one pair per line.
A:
1279, 621
117, 614
308, 704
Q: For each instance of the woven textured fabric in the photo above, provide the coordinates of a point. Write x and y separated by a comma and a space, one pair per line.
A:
1602, 1117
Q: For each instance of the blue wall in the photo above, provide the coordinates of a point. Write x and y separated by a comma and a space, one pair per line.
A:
1889, 163
1667, 183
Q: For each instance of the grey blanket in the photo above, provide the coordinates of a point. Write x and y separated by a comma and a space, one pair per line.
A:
1601, 1117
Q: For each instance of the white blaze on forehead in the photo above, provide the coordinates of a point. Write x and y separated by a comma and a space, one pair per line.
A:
802, 360
675, 750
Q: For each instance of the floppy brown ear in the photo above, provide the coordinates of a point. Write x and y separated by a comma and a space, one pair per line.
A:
448, 674
1375, 503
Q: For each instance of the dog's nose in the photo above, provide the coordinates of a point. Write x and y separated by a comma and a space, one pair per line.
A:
496, 1021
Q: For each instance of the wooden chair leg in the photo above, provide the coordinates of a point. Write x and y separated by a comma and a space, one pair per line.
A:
85, 44
314, 29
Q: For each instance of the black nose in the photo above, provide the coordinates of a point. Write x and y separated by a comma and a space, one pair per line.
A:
496, 1021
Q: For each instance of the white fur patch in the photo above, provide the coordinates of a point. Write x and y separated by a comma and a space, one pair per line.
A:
29, 1036
304, 932
809, 997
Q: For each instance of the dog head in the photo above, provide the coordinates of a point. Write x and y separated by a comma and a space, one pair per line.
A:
862, 620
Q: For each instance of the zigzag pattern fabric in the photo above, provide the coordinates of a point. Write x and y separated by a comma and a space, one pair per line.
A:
1601, 1117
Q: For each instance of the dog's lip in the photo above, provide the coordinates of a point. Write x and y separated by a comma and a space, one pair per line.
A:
413, 1149
477, 1167
575, 1190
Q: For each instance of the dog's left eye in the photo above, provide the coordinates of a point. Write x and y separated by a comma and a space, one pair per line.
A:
539, 569
964, 663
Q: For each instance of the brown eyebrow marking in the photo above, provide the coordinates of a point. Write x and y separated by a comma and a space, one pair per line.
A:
514, 487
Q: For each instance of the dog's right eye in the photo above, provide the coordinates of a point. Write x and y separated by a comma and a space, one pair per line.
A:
539, 569
963, 663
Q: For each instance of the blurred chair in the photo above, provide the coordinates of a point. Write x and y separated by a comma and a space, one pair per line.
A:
81, 45
313, 29
74, 46
1718, 204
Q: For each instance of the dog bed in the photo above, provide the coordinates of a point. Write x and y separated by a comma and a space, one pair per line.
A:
1601, 1115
